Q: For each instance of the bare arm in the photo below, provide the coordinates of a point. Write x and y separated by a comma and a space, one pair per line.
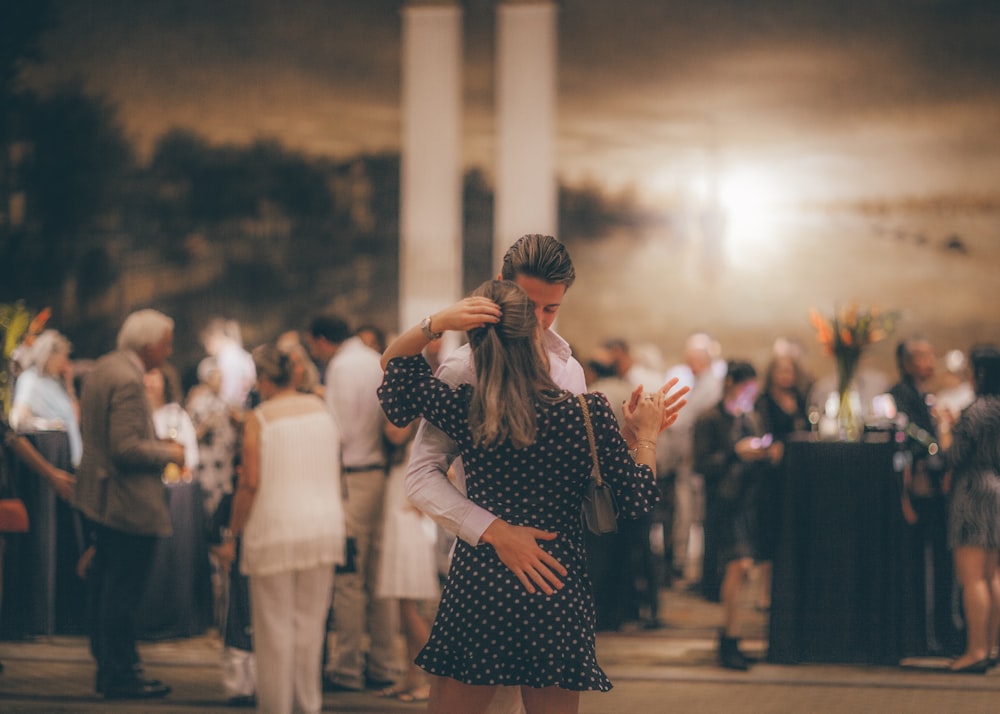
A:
61, 481
464, 315
249, 477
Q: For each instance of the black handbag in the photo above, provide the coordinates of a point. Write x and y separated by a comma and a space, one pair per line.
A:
599, 509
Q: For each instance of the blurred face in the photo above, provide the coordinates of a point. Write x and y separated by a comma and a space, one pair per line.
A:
319, 348
57, 362
740, 396
783, 376
546, 296
921, 364
153, 379
156, 354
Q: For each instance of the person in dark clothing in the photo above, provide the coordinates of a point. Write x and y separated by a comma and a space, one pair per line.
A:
927, 558
732, 455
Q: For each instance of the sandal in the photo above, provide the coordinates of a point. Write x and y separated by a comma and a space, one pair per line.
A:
391, 693
417, 694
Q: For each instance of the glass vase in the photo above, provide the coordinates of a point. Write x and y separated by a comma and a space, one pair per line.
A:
848, 419
849, 412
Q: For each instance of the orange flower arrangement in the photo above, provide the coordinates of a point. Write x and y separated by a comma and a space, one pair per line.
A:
845, 336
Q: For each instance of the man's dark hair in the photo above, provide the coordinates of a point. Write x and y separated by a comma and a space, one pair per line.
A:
538, 256
334, 329
985, 362
739, 371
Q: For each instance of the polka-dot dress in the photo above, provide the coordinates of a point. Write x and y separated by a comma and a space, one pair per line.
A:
489, 630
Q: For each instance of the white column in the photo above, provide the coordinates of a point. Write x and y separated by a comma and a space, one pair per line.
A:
526, 197
430, 219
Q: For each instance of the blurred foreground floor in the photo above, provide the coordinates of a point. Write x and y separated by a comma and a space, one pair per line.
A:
671, 669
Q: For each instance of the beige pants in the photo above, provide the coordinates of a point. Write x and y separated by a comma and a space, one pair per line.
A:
356, 610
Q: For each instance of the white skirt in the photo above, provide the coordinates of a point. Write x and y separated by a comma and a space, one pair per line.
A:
408, 565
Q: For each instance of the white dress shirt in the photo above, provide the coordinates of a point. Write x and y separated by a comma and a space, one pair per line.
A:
353, 377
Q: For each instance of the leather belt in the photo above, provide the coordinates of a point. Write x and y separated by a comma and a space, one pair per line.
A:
366, 467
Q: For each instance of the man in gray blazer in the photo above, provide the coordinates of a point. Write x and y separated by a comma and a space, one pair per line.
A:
120, 489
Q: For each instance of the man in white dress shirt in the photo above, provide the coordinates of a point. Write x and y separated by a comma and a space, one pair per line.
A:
675, 454
352, 377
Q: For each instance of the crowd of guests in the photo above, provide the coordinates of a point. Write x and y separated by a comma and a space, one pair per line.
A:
330, 501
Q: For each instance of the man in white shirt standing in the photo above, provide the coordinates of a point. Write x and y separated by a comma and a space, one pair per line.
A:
675, 454
352, 377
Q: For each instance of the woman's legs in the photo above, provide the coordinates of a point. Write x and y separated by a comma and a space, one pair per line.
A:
313, 590
732, 587
993, 633
416, 631
972, 567
271, 598
449, 696
550, 700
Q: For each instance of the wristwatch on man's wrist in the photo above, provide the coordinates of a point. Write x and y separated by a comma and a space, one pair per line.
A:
425, 325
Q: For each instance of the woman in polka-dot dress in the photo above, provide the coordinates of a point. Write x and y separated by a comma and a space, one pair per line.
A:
527, 458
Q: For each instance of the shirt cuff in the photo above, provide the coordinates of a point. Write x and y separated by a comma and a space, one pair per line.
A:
474, 525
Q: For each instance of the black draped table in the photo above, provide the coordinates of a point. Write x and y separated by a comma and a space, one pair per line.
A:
838, 587
42, 594
178, 597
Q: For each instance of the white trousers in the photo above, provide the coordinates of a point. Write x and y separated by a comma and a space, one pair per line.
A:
689, 513
289, 621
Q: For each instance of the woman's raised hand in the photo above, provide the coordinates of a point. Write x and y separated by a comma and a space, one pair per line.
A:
466, 314
643, 408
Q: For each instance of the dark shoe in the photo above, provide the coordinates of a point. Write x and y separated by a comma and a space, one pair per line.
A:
330, 686
979, 667
371, 683
137, 689
730, 656
245, 701
136, 675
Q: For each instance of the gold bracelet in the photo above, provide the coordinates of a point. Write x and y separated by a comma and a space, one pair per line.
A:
634, 452
646, 442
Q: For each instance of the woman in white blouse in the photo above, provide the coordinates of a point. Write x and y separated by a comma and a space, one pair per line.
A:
288, 513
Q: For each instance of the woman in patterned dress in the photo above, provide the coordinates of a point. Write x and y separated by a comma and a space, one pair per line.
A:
974, 513
527, 458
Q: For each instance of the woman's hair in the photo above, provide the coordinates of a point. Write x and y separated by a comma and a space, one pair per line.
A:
985, 361
511, 372
273, 364
208, 367
48, 343
290, 345
799, 385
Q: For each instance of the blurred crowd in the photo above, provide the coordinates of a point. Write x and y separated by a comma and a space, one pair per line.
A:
718, 470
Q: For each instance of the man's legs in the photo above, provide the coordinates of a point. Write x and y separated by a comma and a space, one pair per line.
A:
122, 564
352, 596
684, 506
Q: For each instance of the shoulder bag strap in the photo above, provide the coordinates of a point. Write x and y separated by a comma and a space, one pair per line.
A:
596, 470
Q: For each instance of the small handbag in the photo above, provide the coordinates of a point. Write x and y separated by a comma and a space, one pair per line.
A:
13, 516
599, 509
